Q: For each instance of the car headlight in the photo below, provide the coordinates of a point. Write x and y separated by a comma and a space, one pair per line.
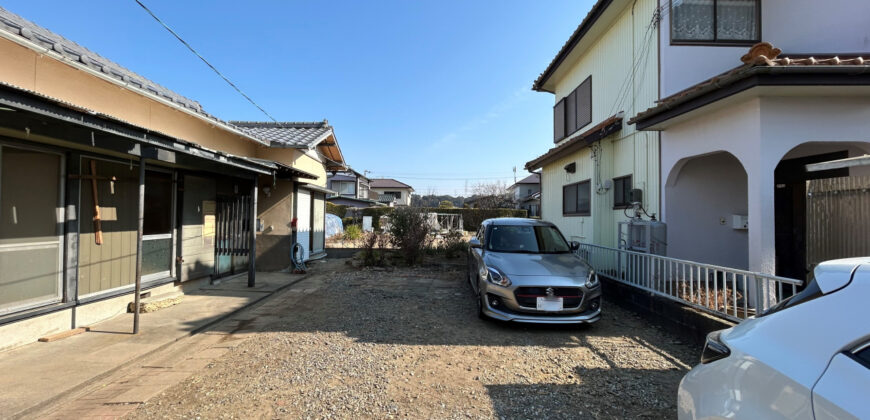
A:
592, 279
714, 348
496, 277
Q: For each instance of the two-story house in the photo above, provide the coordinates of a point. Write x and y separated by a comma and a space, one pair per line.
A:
605, 73
526, 193
351, 188
391, 192
764, 118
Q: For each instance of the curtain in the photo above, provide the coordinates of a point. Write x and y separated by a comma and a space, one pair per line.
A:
692, 20
736, 20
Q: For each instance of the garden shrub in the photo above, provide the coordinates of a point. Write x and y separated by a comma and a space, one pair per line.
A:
409, 231
336, 209
352, 232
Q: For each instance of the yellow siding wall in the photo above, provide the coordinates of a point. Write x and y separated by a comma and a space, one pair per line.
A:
610, 60
298, 159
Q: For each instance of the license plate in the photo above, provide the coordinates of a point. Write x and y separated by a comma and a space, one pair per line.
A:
549, 304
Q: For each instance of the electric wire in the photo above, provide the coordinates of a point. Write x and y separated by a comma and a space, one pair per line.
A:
226, 79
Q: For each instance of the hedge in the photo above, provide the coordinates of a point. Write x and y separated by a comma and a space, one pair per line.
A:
471, 218
336, 209
376, 213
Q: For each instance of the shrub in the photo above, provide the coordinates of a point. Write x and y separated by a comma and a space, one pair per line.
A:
336, 209
352, 232
409, 230
453, 245
374, 249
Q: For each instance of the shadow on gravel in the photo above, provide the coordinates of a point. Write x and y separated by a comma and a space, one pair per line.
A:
436, 307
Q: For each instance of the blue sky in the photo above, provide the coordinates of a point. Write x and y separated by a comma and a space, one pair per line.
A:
434, 93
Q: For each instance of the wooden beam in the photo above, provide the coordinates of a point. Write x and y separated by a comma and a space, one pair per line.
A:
98, 226
62, 335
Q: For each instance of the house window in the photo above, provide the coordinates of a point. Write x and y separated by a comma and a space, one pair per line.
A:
576, 199
574, 111
157, 225
715, 21
344, 187
622, 192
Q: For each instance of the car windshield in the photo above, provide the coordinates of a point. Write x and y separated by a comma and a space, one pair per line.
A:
527, 239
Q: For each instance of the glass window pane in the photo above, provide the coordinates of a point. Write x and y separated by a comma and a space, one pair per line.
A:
158, 203
692, 20
736, 20
583, 197
156, 254
569, 199
346, 188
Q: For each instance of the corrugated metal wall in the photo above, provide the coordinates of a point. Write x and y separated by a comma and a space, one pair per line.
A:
113, 263
837, 218
614, 88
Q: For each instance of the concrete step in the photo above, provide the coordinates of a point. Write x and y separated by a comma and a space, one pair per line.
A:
156, 303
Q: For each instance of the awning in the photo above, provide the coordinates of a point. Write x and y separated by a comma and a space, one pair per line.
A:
317, 188
598, 132
41, 115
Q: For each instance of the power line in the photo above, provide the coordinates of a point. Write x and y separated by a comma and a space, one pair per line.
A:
205, 61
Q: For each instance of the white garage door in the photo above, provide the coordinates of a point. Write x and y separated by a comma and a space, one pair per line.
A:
303, 222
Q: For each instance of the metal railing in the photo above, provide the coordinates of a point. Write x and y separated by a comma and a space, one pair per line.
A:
721, 291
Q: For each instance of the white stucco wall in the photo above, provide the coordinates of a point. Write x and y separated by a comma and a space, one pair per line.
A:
706, 190
794, 26
760, 131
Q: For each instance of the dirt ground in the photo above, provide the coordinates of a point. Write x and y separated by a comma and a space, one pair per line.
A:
406, 343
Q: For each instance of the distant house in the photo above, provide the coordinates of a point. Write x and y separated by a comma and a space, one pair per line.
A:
526, 193
391, 192
352, 189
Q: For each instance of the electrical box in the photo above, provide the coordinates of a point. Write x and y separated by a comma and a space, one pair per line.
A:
739, 221
635, 195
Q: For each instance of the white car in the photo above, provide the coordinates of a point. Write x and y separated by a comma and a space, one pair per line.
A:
808, 357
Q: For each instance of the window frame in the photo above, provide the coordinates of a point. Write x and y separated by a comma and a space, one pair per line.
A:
714, 42
617, 205
571, 97
578, 213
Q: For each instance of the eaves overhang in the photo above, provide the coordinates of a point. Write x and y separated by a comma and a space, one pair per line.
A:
601, 130
564, 53
94, 129
743, 79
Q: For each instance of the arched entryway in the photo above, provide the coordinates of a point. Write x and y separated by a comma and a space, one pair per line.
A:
703, 195
811, 229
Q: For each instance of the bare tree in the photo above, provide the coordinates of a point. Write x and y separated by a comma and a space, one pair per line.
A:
493, 195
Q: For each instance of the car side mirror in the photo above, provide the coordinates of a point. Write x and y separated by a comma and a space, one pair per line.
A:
574, 245
474, 243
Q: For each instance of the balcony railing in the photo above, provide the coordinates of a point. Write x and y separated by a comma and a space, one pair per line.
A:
721, 291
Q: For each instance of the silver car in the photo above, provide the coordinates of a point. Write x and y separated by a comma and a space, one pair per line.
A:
524, 270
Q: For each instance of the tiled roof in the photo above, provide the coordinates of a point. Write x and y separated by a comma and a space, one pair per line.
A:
77, 55
387, 183
590, 19
603, 129
287, 134
761, 58
534, 178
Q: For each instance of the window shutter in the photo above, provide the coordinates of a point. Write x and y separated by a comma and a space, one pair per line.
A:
559, 121
584, 103
571, 113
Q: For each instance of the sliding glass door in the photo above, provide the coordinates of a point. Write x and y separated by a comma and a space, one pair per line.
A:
31, 228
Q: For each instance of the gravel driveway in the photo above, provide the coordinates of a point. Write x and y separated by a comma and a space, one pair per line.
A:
407, 344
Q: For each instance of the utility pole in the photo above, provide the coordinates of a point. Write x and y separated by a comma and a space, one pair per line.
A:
515, 174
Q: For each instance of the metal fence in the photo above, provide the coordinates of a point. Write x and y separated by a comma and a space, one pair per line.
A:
721, 291
837, 225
